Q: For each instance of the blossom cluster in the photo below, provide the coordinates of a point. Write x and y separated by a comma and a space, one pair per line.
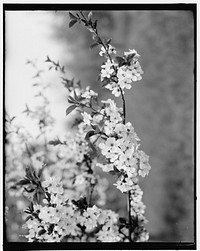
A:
61, 219
119, 145
119, 75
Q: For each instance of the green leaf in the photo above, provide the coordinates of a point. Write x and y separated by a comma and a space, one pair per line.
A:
72, 23
70, 109
72, 17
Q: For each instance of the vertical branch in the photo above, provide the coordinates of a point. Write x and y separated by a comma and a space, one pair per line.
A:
124, 112
129, 193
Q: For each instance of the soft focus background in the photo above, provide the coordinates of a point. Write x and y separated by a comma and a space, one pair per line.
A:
160, 106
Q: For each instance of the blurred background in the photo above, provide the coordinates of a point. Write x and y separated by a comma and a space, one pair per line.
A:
160, 106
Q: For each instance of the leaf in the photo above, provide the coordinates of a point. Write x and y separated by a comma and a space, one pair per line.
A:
71, 100
72, 17
48, 59
28, 218
12, 118
95, 128
95, 24
70, 109
23, 182
93, 45
79, 84
89, 134
130, 58
54, 142
81, 204
112, 172
105, 83
120, 61
72, 23
63, 69
42, 231
108, 41
31, 207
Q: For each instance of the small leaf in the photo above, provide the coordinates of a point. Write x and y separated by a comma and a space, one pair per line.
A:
23, 182
72, 17
95, 128
71, 100
93, 45
12, 118
63, 69
130, 58
112, 172
76, 96
70, 109
89, 134
42, 231
108, 41
28, 218
105, 83
120, 61
48, 59
54, 142
72, 23
95, 24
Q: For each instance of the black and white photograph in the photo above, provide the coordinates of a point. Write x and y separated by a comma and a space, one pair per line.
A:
99, 127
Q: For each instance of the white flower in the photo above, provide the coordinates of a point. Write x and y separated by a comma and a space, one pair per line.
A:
107, 70
106, 167
144, 164
110, 50
86, 118
109, 147
114, 87
133, 51
89, 93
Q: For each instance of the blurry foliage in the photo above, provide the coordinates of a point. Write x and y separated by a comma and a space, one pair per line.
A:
162, 103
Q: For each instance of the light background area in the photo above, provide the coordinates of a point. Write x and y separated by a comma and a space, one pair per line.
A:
28, 37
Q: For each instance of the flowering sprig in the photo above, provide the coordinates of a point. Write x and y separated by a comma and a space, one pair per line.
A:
115, 138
